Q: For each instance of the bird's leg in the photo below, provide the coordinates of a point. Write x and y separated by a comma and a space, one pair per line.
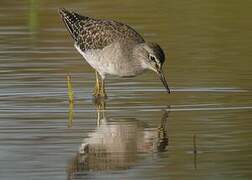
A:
97, 87
102, 90
99, 90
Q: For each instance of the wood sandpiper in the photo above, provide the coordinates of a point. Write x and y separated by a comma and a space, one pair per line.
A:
113, 48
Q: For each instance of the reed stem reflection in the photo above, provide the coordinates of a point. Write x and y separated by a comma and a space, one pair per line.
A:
70, 114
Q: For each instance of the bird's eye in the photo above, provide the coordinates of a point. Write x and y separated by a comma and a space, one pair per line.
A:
152, 58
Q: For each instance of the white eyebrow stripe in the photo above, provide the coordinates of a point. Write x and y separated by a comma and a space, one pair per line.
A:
157, 62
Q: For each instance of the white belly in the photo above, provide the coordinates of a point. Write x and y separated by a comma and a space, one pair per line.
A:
109, 61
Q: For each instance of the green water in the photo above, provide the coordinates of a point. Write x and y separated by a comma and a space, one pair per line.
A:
202, 130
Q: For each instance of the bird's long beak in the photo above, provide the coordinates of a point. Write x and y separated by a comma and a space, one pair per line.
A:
162, 78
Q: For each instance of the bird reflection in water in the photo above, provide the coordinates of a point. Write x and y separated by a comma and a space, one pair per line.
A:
116, 143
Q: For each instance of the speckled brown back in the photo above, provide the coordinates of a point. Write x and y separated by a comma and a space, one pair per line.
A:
92, 33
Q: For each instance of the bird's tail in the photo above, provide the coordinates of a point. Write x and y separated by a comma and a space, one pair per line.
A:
72, 21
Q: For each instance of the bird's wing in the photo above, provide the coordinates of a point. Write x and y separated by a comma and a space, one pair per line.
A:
92, 33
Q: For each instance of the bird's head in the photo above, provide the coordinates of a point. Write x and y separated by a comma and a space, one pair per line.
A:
151, 57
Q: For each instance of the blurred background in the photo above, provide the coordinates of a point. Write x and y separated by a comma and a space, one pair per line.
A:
207, 133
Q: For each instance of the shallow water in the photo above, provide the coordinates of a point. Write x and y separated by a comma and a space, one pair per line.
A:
202, 130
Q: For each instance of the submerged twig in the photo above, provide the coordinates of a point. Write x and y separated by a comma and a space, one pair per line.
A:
195, 151
194, 144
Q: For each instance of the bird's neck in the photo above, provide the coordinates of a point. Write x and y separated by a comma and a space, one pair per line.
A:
138, 56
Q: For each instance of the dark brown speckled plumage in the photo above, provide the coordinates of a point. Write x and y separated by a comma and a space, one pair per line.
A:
90, 33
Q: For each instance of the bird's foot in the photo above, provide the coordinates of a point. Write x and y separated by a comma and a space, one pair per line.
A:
99, 101
99, 94
95, 93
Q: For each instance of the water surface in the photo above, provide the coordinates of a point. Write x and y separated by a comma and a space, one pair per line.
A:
202, 130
